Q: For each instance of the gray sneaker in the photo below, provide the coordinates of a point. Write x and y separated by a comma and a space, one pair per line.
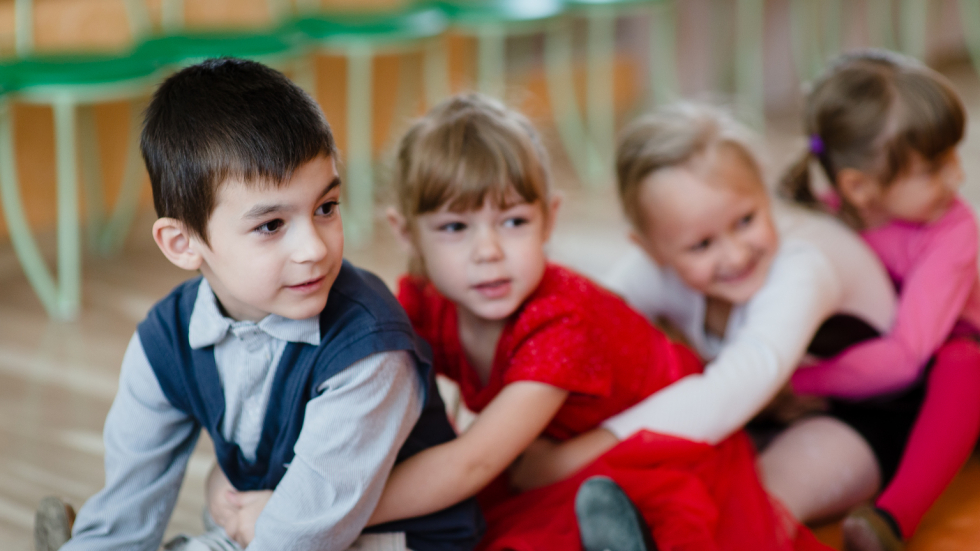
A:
53, 520
214, 540
869, 528
608, 520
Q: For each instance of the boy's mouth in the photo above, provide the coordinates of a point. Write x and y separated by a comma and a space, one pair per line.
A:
308, 286
496, 288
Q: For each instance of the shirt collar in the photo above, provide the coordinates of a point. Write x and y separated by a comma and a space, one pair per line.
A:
208, 326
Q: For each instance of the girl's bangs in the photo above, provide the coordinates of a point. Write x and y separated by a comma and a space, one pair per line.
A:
477, 173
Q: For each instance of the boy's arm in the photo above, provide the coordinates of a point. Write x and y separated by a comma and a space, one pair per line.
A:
147, 445
350, 438
449, 473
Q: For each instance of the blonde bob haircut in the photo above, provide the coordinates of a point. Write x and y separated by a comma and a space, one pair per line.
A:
466, 150
672, 136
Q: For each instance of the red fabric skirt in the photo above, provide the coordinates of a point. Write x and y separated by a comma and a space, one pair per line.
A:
693, 497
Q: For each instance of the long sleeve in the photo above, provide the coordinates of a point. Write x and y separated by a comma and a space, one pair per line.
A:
941, 273
351, 435
147, 445
780, 320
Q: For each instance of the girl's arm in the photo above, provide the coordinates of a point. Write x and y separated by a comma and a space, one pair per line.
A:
801, 291
546, 462
932, 298
449, 473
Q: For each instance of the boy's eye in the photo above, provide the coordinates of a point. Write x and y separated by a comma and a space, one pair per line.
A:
270, 227
452, 227
328, 208
515, 221
700, 245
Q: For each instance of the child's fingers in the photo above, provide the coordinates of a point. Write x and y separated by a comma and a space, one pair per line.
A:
233, 498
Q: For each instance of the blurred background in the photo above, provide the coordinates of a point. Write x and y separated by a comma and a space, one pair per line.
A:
79, 270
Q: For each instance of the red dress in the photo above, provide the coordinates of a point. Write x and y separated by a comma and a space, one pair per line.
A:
574, 335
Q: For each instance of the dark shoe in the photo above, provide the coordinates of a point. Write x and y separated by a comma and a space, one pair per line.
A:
869, 528
608, 520
52, 524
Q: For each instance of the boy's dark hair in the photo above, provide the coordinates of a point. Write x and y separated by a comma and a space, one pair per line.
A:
226, 118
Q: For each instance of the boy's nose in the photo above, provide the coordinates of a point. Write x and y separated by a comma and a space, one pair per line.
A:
310, 246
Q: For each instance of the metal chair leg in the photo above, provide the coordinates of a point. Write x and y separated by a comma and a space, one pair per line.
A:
60, 298
436, 67
748, 69
914, 20
113, 234
69, 240
663, 54
600, 108
92, 181
360, 177
491, 60
561, 93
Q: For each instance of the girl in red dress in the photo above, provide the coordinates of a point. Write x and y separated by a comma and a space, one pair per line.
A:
539, 350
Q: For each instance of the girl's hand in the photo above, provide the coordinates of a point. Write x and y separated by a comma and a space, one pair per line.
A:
532, 465
546, 461
446, 474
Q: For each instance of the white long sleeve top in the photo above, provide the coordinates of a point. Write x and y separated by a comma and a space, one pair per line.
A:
821, 268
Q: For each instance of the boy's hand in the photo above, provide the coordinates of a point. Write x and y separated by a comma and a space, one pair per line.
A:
250, 506
218, 493
236, 512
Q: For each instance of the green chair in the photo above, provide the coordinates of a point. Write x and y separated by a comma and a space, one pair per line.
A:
970, 16
491, 22
591, 150
749, 74
359, 36
175, 45
817, 29
71, 85
815, 34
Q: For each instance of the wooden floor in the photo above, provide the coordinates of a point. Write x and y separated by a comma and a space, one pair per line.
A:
57, 380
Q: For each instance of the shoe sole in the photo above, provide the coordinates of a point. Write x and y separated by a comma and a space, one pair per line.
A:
52, 524
607, 518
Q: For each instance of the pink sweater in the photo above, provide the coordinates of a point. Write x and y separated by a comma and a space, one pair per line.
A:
934, 267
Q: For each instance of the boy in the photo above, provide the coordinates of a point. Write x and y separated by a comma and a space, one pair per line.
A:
303, 369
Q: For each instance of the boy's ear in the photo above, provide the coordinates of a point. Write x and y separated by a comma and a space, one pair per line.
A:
176, 243
399, 226
857, 187
552, 213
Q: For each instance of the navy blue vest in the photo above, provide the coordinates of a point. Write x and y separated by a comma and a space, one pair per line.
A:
361, 318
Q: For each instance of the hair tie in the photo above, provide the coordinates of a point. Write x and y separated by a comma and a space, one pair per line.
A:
816, 145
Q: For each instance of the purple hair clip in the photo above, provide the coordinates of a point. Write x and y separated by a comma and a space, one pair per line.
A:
816, 145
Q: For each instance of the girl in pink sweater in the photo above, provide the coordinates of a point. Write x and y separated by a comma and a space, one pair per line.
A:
884, 129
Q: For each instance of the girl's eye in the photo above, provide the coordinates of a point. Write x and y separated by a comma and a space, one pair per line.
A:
746, 220
700, 246
452, 227
270, 227
328, 208
515, 221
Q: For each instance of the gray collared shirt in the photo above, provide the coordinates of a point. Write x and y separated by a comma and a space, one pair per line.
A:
350, 437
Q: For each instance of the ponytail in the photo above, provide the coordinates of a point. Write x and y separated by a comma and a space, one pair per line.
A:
795, 184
